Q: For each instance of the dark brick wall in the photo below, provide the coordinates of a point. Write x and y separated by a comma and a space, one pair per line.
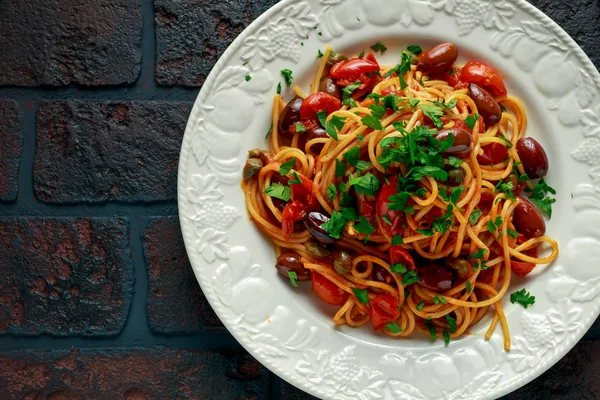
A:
94, 97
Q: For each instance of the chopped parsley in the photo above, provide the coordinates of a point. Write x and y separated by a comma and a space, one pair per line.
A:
397, 239
287, 166
416, 50
248, 77
446, 336
348, 90
364, 227
322, 117
386, 219
362, 295
300, 127
340, 168
522, 297
399, 268
279, 88
409, 278
469, 288
338, 221
398, 201
293, 277
362, 54
372, 122
432, 330
470, 121
494, 225
452, 322
541, 200
334, 125
455, 162
434, 112
393, 327
331, 191
352, 156
475, 215
439, 300
287, 75
278, 191
296, 179
478, 254
319, 54
512, 233
420, 306
269, 131
367, 184
506, 188
349, 102
379, 47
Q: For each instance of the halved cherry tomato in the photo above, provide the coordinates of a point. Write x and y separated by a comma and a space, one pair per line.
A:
366, 208
327, 291
304, 192
394, 217
521, 268
398, 255
485, 76
454, 78
384, 310
356, 69
318, 102
292, 213
493, 153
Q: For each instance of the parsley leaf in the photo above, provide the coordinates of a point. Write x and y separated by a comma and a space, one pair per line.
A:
512, 233
478, 254
446, 336
300, 127
409, 278
432, 330
296, 180
340, 168
397, 239
399, 268
452, 322
335, 225
362, 295
269, 131
287, 75
278, 191
456, 193
334, 125
419, 173
475, 215
372, 122
322, 117
287, 166
293, 277
416, 50
470, 121
351, 88
248, 77
331, 192
350, 102
366, 185
434, 112
522, 297
319, 54
379, 47
420, 306
455, 162
364, 227
279, 88
469, 288
540, 199
352, 156
393, 327
439, 300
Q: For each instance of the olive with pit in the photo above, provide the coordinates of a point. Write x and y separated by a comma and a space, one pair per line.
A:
435, 277
316, 249
342, 262
456, 176
462, 267
438, 60
533, 157
313, 221
528, 220
287, 262
461, 146
328, 86
252, 167
487, 106
290, 115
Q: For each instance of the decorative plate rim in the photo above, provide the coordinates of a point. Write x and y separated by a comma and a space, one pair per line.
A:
188, 229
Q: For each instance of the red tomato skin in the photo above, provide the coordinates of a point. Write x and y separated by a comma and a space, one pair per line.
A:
398, 255
292, 213
327, 290
352, 70
484, 76
305, 192
493, 153
384, 310
318, 102
395, 217
521, 269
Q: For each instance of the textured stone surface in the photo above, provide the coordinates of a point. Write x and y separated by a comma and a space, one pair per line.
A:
580, 19
172, 284
11, 137
131, 374
191, 35
64, 276
58, 42
98, 151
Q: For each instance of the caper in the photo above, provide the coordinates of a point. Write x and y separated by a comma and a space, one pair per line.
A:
336, 58
264, 155
342, 262
252, 167
456, 176
316, 249
461, 266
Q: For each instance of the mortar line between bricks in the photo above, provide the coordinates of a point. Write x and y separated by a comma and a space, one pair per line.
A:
148, 42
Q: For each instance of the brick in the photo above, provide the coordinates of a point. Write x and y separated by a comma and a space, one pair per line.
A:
575, 377
172, 284
580, 19
62, 42
11, 137
64, 276
191, 35
131, 374
101, 151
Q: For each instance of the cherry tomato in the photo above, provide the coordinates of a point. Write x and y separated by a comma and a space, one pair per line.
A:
521, 268
318, 102
355, 69
394, 217
304, 192
454, 78
327, 291
460, 124
485, 76
384, 310
398, 255
493, 153
292, 213
366, 207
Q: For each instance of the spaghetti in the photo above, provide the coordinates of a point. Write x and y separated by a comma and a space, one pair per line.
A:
400, 192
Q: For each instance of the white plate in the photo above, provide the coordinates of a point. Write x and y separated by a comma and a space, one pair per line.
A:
292, 333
